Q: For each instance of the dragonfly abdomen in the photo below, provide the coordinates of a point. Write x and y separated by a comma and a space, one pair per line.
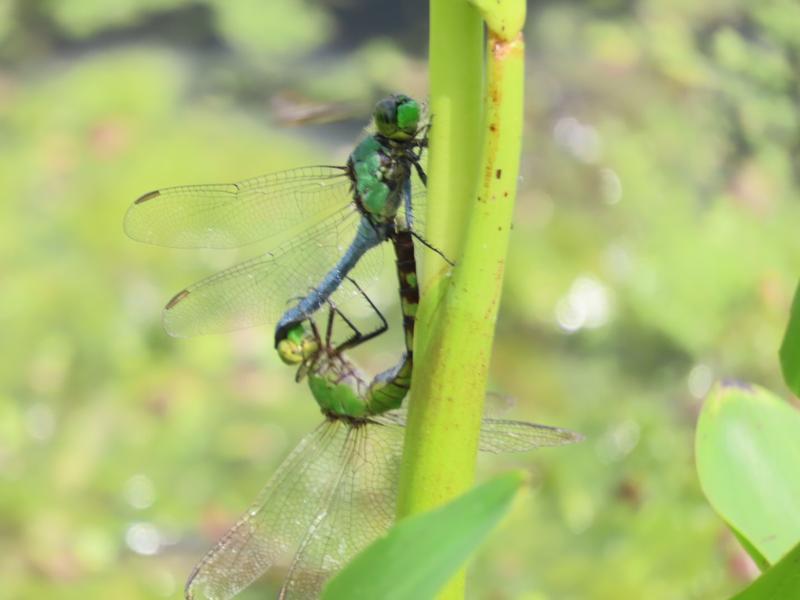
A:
407, 279
388, 389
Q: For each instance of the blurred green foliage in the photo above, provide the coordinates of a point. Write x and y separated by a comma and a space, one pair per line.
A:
654, 250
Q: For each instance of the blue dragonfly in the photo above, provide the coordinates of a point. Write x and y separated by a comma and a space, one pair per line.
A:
324, 220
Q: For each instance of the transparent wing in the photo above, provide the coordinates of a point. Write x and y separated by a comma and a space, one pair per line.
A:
391, 418
505, 435
330, 498
502, 435
418, 203
269, 533
361, 508
498, 404
261, 289
230, 215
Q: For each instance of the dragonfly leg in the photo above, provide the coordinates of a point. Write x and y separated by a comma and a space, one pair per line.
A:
408, 208
422, 142
359, 338
329, 327
428, 245
332, 312
295, 299
414, 159
368, 236
303, 370
308, 363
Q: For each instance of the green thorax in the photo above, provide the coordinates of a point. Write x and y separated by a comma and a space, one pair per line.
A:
340, 388
379, 167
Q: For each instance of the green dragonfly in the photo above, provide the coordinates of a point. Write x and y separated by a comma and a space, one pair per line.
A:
323, 219
335, 493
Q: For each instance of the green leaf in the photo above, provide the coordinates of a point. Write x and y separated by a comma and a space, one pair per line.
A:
421, 553
758, 558
748, 461
790, 348
781, 582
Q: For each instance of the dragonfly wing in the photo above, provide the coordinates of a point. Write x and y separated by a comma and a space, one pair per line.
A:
419, 196
397, 417
504, 435
269, 533
230, 215
261, 289
361, 508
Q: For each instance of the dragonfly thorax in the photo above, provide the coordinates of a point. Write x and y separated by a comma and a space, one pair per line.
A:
378, 171
339, 388
381, 164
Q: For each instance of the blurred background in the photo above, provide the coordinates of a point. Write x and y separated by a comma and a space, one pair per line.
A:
655, 250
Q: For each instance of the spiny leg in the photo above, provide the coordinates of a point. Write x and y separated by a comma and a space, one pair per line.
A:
428, 245
332, 310
414, 154
310, 364
359, 338
418, 167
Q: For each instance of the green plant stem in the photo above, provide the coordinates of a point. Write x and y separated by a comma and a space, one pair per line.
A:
456, 76
452, 365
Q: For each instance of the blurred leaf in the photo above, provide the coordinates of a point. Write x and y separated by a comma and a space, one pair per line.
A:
748, 461
88, 17
285, 27
420, 554
790, 348
782, 19
781, 582
758, 558
6, 22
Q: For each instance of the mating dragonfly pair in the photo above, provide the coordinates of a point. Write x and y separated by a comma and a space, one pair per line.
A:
335, 493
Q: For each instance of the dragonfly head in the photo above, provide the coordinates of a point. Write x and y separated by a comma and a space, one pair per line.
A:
397, 117
298, 346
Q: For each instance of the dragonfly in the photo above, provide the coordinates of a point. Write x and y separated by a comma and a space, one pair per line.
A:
324, 220
336, 491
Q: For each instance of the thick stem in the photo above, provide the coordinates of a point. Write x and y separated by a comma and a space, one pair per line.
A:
456, 76
452, 368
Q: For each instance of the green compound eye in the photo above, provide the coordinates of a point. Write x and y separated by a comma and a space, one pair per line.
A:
397, 117
408, 116
296, 334
385, 115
